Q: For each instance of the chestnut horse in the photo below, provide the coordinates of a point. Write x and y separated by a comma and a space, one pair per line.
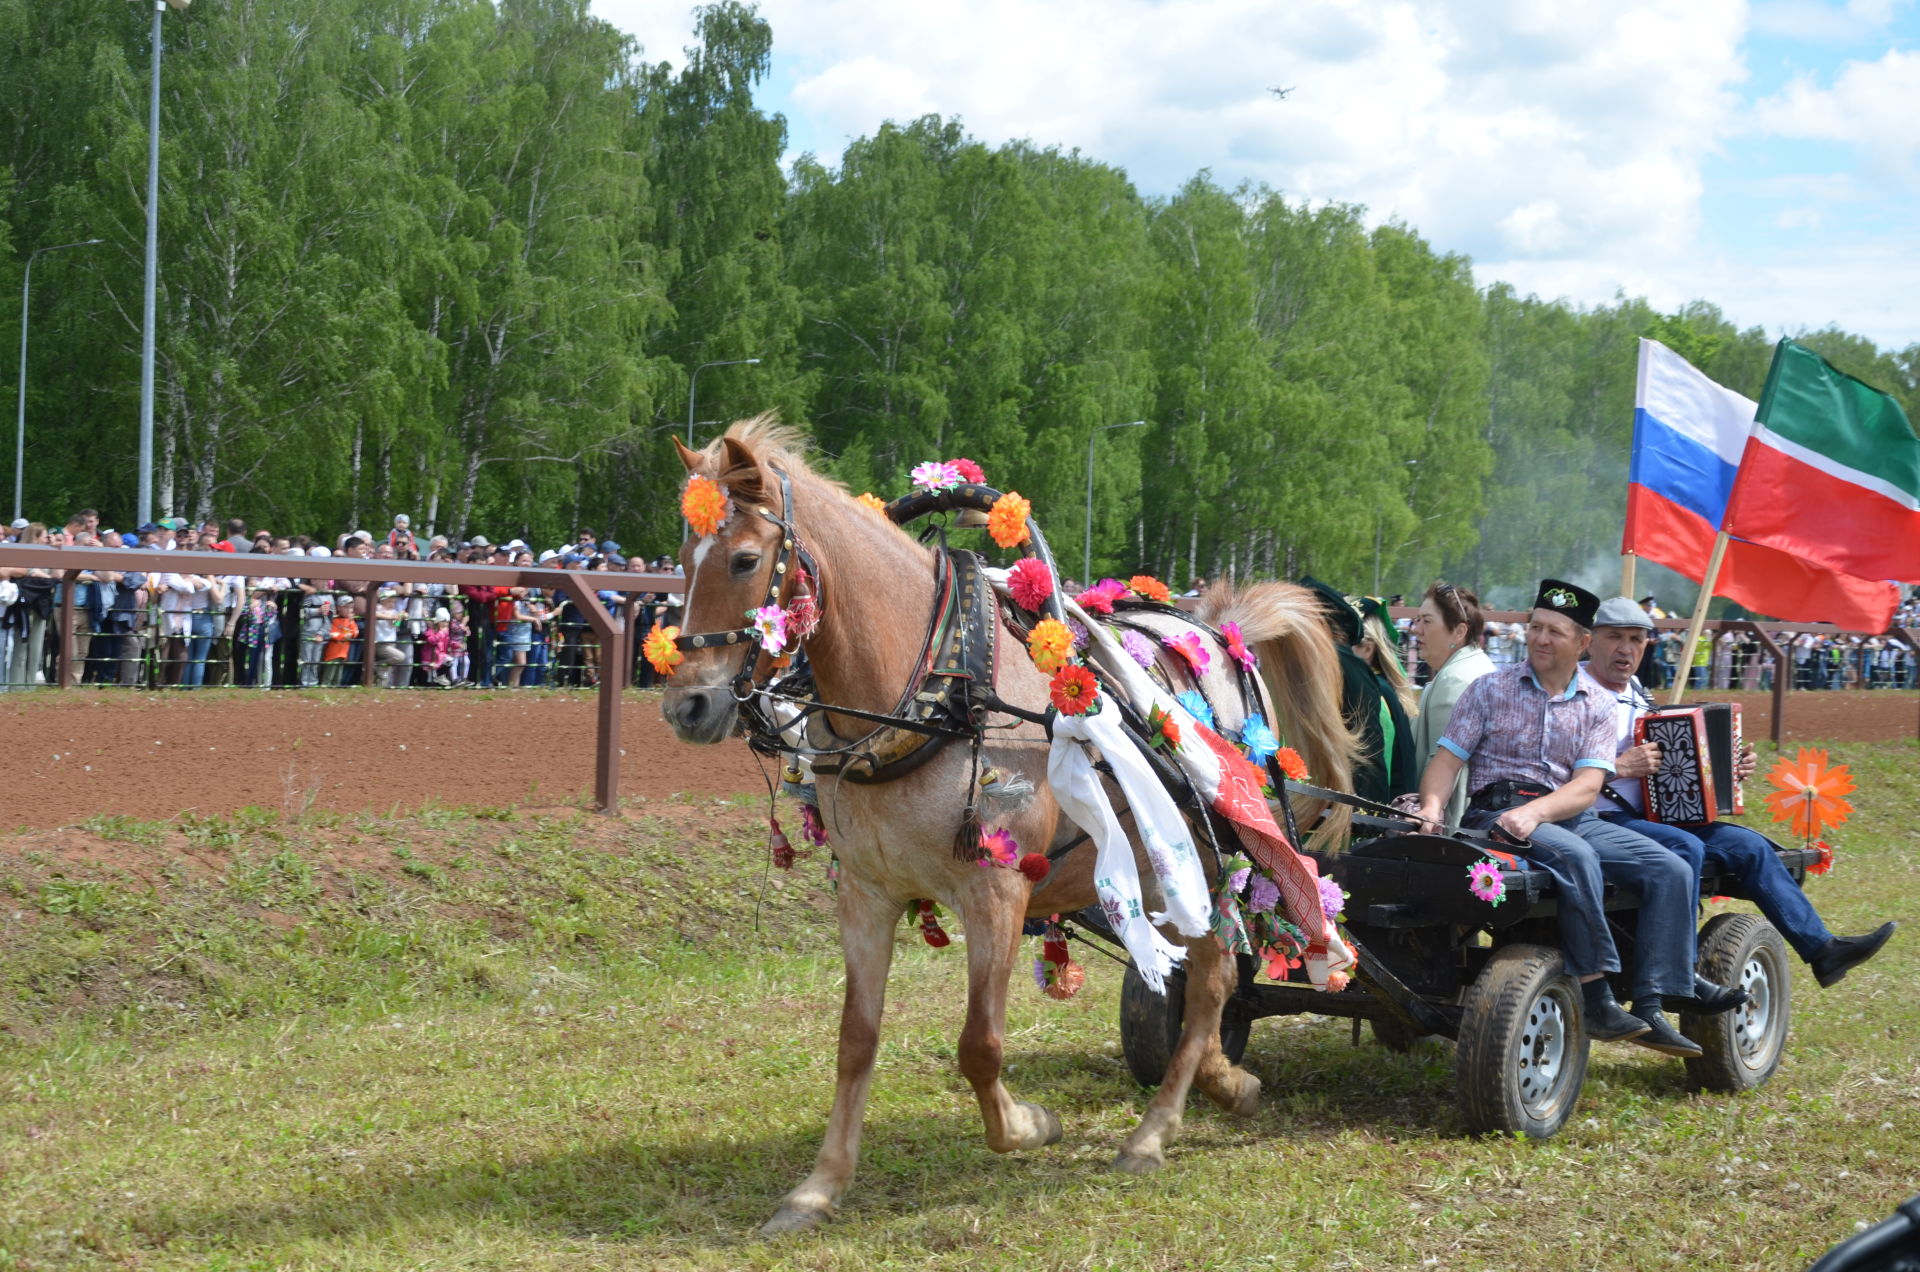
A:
895, 840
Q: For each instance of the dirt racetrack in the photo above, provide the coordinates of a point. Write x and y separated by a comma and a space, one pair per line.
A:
85, 753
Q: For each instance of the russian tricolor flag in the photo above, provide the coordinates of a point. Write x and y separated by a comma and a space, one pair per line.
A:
1688, 438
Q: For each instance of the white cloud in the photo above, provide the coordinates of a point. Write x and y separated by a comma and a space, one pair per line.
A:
1561, 143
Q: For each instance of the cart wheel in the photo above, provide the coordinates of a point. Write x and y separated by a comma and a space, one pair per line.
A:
1150, 1026
1743, 1046
1522, 1056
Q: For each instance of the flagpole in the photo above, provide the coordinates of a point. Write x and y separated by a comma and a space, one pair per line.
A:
1627, 560
1685, 665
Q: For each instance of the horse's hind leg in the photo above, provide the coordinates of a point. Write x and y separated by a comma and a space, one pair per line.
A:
866, 941
993, 918
1210, 978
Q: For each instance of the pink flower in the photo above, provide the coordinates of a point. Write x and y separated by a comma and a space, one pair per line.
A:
1095, 601
935, 474
811, 827
1189, 646
1237, 645
770, 622
968, 470
1001, 849
1484, 881
1030, 582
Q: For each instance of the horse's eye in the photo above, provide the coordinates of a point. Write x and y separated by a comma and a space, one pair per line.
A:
745, 562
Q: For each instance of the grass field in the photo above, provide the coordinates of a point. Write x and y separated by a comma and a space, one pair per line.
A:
511, 1038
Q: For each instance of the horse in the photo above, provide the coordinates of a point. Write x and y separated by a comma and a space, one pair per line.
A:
895, 839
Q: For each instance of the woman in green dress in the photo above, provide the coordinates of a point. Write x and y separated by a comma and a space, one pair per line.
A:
1448, 633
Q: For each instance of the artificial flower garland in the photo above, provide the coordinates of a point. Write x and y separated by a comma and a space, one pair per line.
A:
705, 505
661, 653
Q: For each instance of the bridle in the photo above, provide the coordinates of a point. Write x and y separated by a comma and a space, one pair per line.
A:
744, 686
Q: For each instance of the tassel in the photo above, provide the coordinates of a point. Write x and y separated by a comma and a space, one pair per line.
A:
966, 840
778, 845
1005, 792
1055, 971
930, 930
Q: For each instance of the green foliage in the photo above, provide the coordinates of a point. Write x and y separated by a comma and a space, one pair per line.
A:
463, 259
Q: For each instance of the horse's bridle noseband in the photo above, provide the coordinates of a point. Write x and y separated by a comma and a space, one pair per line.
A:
743, 685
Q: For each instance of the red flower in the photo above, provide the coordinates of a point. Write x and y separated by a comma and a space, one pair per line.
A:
1291, 764
969, 470
1030, 583
1095, 600
1162, 730
1825, 863
1074, 690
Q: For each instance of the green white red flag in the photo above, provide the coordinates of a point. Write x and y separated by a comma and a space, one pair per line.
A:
1831, 472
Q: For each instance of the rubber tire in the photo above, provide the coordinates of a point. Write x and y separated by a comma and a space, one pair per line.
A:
1497, 1044
1743, 1046
1150, 1026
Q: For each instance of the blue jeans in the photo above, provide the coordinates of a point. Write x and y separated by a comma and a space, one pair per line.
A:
1583, 854
1757, 874
199, 644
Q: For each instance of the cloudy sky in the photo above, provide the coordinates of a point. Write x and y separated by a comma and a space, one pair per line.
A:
1764, 155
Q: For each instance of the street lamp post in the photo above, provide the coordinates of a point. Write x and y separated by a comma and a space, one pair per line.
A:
693, 386
20, 436
1086, 560
144, 502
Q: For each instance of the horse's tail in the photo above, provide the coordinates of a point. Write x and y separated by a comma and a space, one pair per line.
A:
1301, 671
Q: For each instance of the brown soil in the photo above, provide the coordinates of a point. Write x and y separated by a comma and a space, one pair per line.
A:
86, 753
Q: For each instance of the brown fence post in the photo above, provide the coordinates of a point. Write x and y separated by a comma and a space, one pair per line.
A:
1913, 643
612, 632
366, 636
63, 650
1782, 672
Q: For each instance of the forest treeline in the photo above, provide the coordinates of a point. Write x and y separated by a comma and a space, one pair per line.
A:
459, 259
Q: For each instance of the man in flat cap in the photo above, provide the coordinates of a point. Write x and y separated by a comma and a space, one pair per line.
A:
1537, 739
1621, 632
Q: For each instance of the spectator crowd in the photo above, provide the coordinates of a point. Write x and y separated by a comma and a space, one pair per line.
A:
160, 629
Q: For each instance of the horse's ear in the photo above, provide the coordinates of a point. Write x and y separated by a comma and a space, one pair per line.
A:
740, 470
691, 458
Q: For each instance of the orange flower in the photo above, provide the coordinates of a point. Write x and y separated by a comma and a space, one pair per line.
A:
1074, 690
1151, 588
1809, 793
704, 504
661, 651
1050, 645
1291, 764
1007, 523
874, 502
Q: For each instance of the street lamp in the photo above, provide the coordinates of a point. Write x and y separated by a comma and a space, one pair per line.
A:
693, 385
145, 501
1086, 561
20, 438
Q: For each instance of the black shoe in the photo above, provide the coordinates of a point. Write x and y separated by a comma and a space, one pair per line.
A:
1844, 953
1604, 1021
1710, 999
1664, 1038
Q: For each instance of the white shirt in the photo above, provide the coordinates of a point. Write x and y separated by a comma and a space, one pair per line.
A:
1632, 790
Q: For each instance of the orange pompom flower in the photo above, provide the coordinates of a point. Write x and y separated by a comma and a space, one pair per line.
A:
875, 502
1050, 645
1151, 588
1007, 523
1074, 690
1291, 764
660, 650
704, 504
1809, 793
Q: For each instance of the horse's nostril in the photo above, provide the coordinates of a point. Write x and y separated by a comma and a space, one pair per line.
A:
692, 707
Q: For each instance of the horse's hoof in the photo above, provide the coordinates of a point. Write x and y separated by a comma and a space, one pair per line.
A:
1138, 1163
792, 1219
1244, 1101
1048, 1126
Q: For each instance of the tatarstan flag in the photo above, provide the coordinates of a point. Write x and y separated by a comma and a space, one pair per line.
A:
1831, 473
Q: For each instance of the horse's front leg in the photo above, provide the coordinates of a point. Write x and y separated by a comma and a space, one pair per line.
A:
993, 915
867, 920
1211, 976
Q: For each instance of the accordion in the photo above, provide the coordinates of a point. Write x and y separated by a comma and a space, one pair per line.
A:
1697, 744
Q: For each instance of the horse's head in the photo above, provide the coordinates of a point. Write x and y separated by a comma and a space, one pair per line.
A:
738, 559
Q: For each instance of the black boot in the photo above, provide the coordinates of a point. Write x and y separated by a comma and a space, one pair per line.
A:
1661, 1036
1710, 999
1602, 1019
1842, 954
